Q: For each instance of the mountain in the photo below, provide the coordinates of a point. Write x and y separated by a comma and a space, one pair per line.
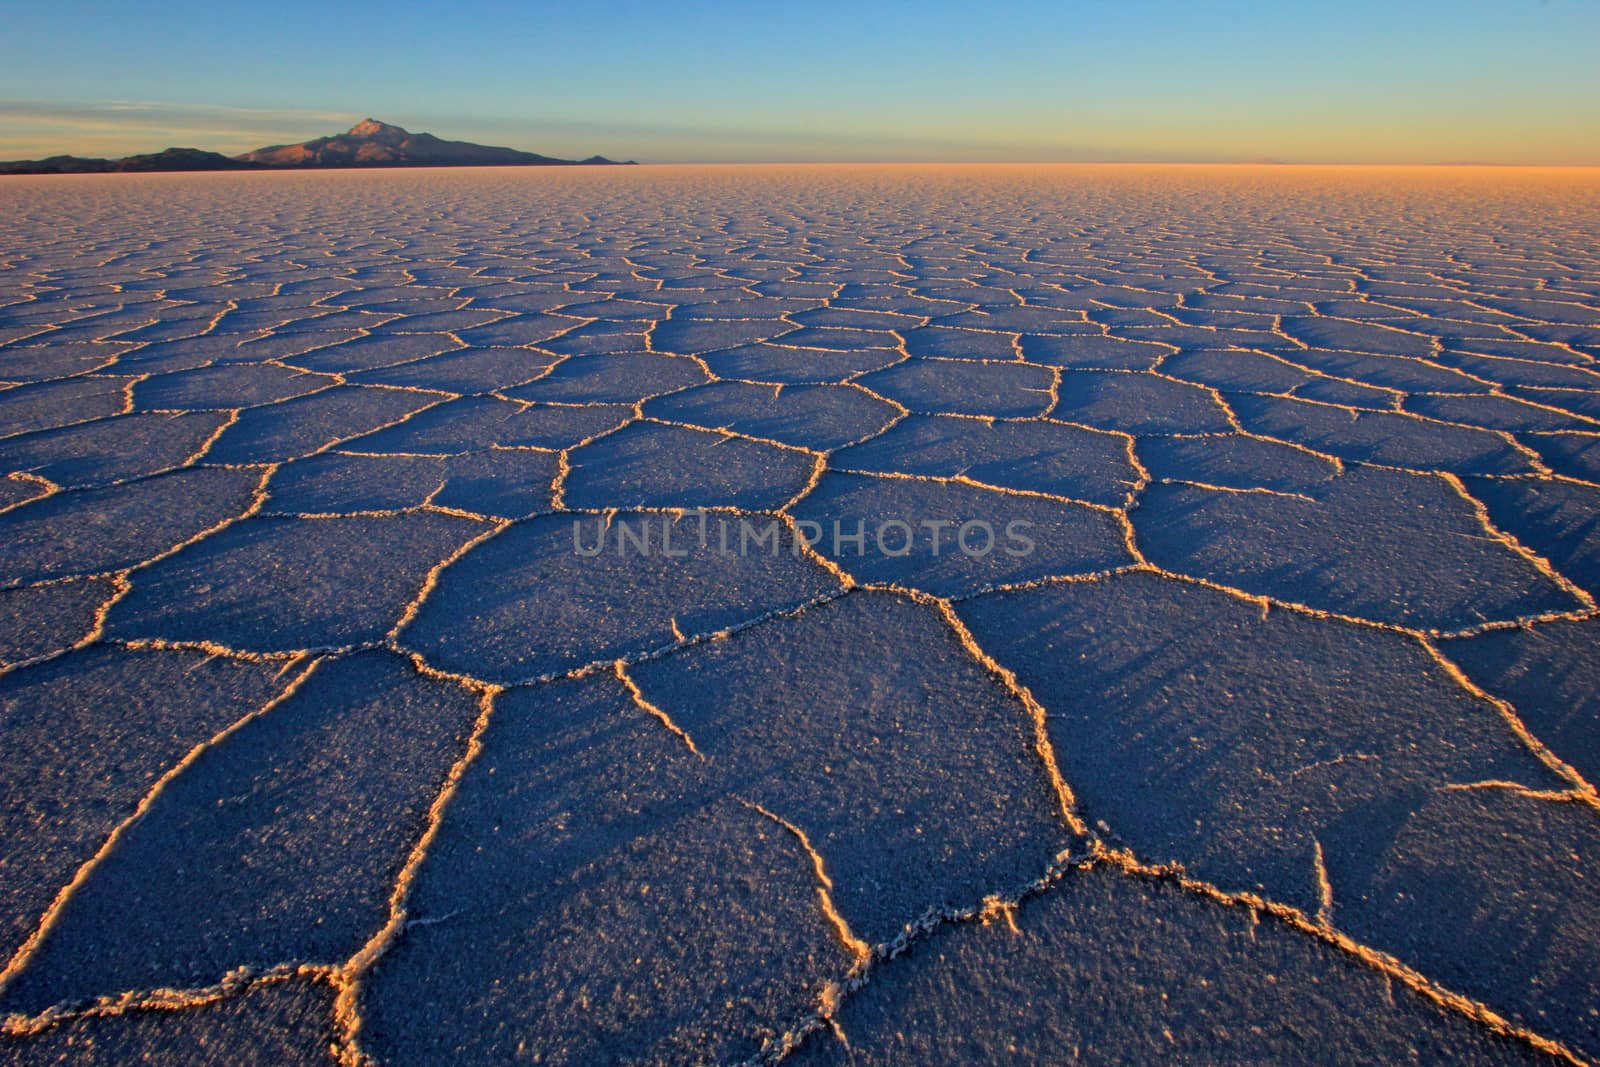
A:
182, 159
59, 165
368, 143
371, 143
170, 159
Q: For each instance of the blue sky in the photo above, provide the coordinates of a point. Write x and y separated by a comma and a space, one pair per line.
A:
1516, 81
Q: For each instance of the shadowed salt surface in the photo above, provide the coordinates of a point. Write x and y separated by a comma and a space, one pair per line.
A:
1547, 674
1089, 975
953, 538
44, 619
1430, 566
593, 899
1274, 764
282, 1024
865, 761
526, 604
73, 772
296, 799
1041, 457
328, 739
279, 584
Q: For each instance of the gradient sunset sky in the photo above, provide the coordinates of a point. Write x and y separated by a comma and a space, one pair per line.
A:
1514, 81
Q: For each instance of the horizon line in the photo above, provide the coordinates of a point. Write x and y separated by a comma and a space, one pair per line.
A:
998, 162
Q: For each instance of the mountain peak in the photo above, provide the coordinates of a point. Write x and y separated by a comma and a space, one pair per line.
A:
370, 127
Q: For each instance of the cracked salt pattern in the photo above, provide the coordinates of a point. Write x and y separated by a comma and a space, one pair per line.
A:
323, 745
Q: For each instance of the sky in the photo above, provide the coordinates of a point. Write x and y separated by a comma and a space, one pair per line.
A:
1356, 81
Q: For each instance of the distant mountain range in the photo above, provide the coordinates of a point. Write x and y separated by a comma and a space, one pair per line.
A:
368, 143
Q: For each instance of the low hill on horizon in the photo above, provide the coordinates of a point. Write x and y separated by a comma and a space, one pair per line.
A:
369, 143
170, 159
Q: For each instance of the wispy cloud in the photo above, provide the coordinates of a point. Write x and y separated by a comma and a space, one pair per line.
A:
123, 126
165, 114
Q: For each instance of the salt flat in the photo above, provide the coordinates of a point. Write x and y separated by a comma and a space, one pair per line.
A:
507, 615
